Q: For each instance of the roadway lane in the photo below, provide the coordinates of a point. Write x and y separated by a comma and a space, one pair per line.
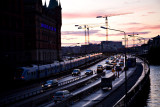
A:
114, 95
38, 87
51, 103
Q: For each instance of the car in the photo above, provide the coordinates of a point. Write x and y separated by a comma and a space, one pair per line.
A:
50, 83
108, 67
114, 63
107, 61
61, 95
118, 68
89, 72
121, 63
76, 72
100, 68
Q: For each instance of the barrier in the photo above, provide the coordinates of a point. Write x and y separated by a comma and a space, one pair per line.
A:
133, 92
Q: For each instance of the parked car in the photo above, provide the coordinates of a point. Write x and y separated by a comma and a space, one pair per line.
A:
89, 72
76, 72
61, 95
50, 83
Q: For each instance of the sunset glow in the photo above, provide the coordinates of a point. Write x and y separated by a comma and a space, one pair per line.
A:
140, 16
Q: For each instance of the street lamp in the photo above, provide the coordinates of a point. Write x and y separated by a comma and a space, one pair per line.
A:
133, 37
106, 22
85, 27
125, 61
127, 42
143, 52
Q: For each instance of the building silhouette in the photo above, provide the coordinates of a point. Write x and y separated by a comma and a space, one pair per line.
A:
42, 31
11, 36
30, 33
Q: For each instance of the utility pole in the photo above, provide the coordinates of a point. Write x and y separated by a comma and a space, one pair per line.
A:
106, 19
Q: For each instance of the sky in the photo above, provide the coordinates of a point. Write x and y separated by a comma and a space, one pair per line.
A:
139, 16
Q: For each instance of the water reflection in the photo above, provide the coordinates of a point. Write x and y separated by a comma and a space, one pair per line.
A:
154, 95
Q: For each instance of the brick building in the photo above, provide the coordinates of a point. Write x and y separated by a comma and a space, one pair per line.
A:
42, 31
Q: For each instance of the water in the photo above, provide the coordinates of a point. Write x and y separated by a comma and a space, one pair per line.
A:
154, 95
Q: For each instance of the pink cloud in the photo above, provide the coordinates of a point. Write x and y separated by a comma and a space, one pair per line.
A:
79, 33
91, 15
147, 27
132, 23
151, 12
122, 34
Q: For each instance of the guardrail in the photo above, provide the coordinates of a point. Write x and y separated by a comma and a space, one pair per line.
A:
36, 92
133, 92
69, 101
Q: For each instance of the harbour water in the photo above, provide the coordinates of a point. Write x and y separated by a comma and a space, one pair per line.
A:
154, 94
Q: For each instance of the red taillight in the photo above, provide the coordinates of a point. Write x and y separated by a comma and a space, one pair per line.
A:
22, 77
63, 96
53, 96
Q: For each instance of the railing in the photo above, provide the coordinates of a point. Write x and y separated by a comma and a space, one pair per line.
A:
36, 92
132, 93
69, 101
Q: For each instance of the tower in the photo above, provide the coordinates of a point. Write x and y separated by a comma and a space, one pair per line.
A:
53, 4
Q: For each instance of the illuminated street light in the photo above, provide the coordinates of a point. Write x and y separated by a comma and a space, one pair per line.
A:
106, 22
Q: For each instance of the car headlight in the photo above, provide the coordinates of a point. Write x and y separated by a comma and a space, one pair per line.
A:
42, 85
49, 85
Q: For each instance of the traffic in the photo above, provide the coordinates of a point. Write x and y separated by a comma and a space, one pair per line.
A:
78, 76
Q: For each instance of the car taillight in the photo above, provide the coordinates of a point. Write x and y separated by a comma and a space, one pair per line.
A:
53, 96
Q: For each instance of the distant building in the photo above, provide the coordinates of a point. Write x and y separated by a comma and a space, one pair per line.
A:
111, 46
30, 32
42, 31
90, 48
68, 50
156, 41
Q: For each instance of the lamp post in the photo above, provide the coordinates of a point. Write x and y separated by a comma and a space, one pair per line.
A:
133, 37
143, 52
85, 27
125, 61
106, 22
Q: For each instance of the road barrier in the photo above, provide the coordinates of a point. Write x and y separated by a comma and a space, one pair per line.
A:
126, 101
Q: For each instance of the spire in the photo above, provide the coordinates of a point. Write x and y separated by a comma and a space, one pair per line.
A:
53, 4
59, 3
45, 5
